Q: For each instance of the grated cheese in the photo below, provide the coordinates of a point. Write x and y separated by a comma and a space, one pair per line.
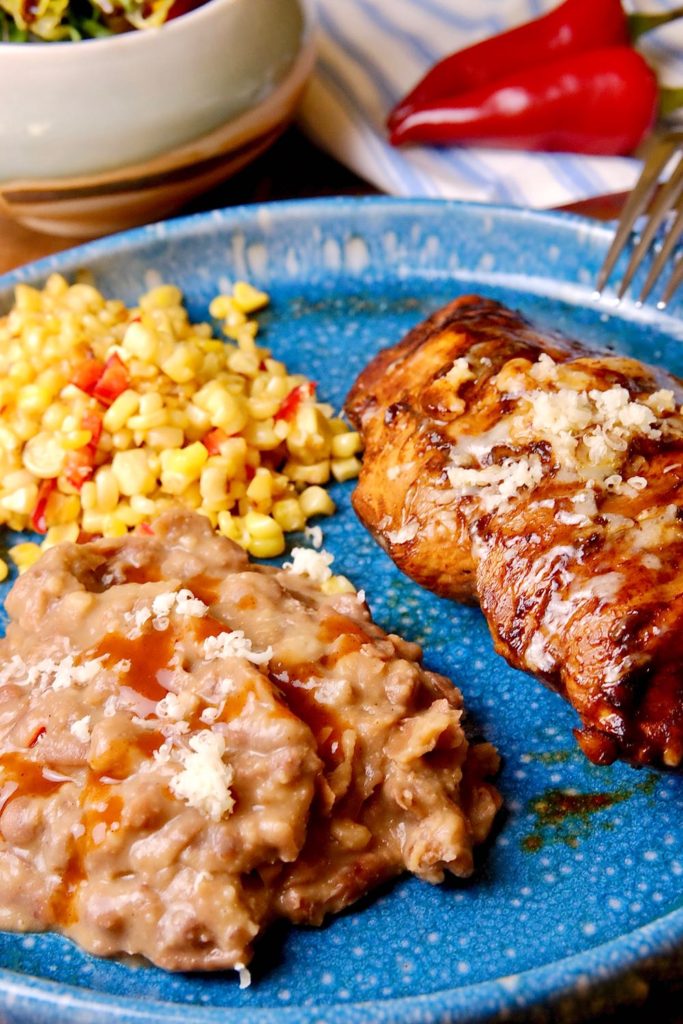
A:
459, 374
234, 645
496, 485
588, 431
314, 564
182, 602
205, 779
406, 533
315, 535
176, 706
81, 729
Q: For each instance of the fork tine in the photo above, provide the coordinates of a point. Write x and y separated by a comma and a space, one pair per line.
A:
673, 235
636, 204
666, 200
674, 284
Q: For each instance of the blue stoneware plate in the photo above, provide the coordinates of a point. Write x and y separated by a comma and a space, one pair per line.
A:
573, 900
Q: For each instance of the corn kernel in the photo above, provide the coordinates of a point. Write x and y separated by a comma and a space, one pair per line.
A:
248, 298
220, 306
88, 495
183, 363
63, 508
345, 469
107, 489
266, 547
261, 487
132, 472
316, 473
60, 534
315, 501
288, 513
338, 585
164, 437
34, 398
140, 342
259, 525
75, 439
119, 412
4, 570
213, 487
114, 526
148, 421
162, 297
186, 461
24, 555
345, 445
43, 455
22, 499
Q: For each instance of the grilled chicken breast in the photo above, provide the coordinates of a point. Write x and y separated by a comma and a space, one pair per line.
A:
544, 481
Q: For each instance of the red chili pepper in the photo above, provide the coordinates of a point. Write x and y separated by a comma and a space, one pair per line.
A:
113, 382
601, 102
213, 440
576, 26
38, 516
87, 374
294, 399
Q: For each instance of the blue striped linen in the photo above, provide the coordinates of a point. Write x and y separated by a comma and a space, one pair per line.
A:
373, 51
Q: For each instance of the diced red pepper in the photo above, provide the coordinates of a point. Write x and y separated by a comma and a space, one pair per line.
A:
213, 440
87, 375
249, 472
146, 529
38, 518
79, 467
113, 381
92, 421
296, 396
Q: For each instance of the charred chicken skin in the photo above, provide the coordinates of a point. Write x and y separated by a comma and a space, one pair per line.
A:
519, 470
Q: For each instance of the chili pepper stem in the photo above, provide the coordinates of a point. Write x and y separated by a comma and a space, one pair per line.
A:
670, 100
639, 24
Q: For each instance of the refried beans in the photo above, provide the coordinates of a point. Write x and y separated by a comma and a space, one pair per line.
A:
192, 746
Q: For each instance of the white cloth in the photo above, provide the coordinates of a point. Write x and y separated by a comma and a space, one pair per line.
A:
373, 51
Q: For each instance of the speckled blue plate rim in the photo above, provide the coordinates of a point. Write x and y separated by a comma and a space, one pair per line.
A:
204, 223
656, 949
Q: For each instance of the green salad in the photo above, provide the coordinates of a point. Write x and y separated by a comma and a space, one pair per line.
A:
63, 20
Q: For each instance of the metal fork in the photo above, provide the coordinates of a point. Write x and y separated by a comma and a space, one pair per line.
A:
668, 201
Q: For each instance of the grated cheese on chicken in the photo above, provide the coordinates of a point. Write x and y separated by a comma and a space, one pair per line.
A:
205, 779
314, 564
588, 433
496, 485
459, 374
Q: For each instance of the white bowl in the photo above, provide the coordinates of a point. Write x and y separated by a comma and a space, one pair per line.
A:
79, 108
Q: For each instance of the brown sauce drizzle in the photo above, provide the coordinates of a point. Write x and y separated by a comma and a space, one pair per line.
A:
28, 776
139, 574
100, 806
346, 635
296, 683
148, 655
205, 587
208, 626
